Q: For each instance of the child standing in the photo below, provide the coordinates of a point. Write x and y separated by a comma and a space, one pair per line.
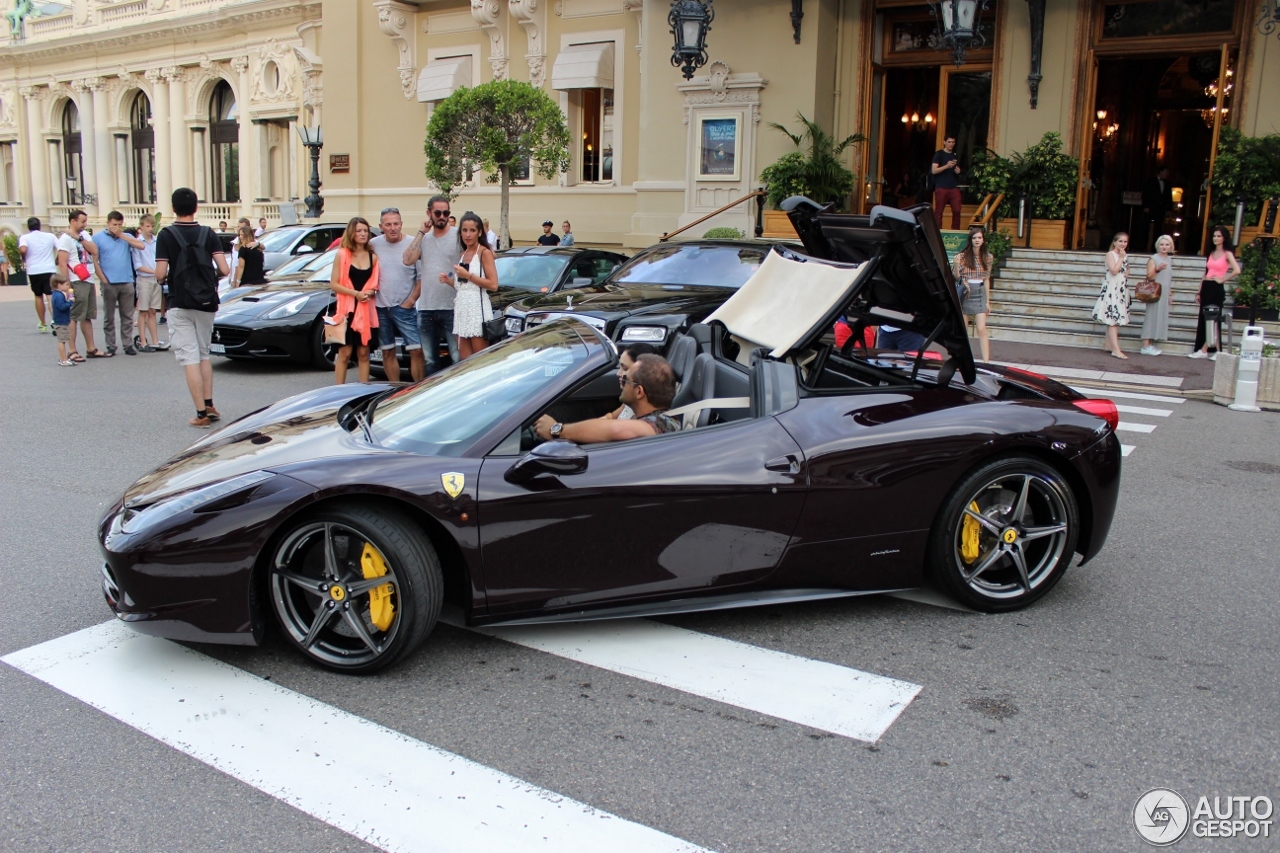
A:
63, 299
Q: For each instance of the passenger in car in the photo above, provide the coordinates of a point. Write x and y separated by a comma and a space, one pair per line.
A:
647, 387
628, 358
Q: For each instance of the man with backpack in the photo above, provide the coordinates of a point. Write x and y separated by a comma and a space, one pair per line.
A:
190, 257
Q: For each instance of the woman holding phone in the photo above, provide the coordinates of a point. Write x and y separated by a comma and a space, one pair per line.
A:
473, 277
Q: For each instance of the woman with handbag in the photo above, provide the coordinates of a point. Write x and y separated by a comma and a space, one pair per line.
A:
355, 281
1157, 292
1112, 307
1220, 267
973, 280
473, 278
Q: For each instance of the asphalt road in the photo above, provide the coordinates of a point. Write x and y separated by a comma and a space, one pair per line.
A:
1153, 666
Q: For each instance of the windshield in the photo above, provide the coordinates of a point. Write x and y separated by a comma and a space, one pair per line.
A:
321, 269
444, 414
293, 265
538, 273
712, 266
279, 240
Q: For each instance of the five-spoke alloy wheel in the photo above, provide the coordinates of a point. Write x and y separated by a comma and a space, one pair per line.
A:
355, 588
1006, 535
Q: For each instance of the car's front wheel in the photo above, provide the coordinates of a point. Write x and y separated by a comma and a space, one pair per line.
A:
355, 588
1005, 535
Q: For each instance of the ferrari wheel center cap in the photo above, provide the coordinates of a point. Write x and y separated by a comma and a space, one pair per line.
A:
337, 592
1009, 536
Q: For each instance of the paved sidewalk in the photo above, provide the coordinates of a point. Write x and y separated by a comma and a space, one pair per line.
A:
1166, 373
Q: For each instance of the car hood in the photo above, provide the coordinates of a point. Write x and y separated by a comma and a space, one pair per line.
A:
626, 299
266, 299
299, 429
908, 284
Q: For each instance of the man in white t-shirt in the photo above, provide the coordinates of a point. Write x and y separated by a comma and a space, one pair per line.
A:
39, 250
490, 236
75, 250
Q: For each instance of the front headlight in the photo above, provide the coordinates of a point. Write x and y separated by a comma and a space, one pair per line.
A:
515, 325
133, 521
293, 306
647, 334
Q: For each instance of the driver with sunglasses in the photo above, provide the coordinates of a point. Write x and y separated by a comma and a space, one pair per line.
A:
647, 387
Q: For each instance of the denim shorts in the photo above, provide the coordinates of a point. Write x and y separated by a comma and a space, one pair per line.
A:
398, 321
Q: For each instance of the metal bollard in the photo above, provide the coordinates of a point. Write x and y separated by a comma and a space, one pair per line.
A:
1248, 370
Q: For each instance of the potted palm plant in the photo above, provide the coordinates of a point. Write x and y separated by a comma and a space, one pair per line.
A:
17, 271
815, 169
1045, 175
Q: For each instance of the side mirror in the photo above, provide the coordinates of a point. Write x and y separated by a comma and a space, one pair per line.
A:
581, 281
304, 249
551, 457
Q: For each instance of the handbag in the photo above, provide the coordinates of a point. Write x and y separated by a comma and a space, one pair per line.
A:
962, 290
1148, 290
335, 330
492, 328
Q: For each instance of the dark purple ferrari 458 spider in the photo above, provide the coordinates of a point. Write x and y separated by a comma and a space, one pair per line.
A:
801, 471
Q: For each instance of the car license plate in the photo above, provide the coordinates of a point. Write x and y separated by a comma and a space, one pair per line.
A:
220, 349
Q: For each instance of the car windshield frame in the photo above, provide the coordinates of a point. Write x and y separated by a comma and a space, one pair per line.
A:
294, 265
555, 265
450, 412
275, 242
671, 264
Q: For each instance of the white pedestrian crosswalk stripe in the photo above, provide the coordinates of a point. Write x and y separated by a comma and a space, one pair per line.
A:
813, 693
1098, 375
1143, 410
1129, 426
1127, 395
1126, 449
387, 789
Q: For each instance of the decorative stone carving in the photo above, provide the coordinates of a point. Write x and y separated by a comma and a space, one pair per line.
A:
205, 62
126, 77
312, 67
33, 93
531, 15
718, 75
721, 94
395, 20
488, 14
283, 87
174, 74
8, 107
239, 64
159, 5
152, 75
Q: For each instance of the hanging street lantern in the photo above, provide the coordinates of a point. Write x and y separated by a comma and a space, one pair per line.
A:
960, 25
690, 22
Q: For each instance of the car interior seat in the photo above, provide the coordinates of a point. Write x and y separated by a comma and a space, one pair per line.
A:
699, 385
680, 356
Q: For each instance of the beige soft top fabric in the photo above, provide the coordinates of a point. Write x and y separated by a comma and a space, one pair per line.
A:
783, 300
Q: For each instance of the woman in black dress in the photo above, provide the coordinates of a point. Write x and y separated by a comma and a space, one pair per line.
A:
249, 260
355, 281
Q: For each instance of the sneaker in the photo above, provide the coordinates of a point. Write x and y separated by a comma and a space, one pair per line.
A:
42, 328
212, 414
147, 348
163, 321
111, 350
202, 423
162, 347
1213, 356
130, 351
67, 363
1197, 354
1150, 351
53, 331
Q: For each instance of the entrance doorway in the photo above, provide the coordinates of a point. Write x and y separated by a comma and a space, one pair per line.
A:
1153, 113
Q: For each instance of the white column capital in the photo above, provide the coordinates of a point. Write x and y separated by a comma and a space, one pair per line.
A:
396, 19
488, 14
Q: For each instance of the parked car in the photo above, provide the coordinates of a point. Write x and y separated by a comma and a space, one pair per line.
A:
658, 293
550, 269
281, 244
801, 472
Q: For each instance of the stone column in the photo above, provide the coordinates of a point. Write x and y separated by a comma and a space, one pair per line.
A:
160, 126
262, 162
122, 168
199, 169
88, 143
291, 143
248, 172
57, 181
37, 167
101, 144
179, 153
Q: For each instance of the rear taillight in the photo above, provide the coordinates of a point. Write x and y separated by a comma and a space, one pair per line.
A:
1020, 371
1104, 409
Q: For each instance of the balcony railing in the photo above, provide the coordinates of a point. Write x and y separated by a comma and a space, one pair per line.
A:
124, 13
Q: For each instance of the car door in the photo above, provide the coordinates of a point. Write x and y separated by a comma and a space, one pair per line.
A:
684, 512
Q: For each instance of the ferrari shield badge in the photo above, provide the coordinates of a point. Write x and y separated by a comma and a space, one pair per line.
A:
453, 483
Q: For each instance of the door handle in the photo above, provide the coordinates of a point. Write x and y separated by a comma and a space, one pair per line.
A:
788, 464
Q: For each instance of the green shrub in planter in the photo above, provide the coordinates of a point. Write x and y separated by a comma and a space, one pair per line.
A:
1248, 166
815, 169
1044, 173
724, 234
1262, 294
11, 252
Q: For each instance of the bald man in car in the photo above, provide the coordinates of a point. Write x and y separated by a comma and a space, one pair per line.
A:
647, 387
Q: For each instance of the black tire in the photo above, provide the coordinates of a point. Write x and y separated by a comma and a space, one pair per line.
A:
324, 600
321, 353
998, 558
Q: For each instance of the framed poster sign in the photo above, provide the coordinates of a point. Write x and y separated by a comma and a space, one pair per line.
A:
718, 147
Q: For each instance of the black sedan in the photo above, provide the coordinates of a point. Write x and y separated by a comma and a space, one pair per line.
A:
800, 472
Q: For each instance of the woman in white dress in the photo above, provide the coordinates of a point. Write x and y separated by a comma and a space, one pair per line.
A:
1112, 307
474, 277
1155, 322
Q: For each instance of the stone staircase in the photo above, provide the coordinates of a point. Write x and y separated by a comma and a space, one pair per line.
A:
1047, 297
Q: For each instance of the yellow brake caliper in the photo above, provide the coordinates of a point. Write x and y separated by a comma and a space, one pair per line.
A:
970, 530
381, 610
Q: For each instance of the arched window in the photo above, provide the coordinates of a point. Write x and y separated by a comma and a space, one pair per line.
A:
71, 153
224, 144
144, 150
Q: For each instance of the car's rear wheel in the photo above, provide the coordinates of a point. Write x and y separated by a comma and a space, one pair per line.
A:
1005, 535
354, 588
321, 353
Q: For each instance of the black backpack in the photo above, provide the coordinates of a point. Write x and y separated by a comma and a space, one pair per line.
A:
193, 281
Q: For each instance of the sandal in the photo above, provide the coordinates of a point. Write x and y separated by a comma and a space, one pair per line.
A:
75, 356
97, 353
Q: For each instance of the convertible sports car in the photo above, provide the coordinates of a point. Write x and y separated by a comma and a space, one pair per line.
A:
345, 515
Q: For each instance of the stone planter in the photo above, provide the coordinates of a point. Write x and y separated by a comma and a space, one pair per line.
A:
1264, 315
17, 279
1049, 234
1224, 381
776, 224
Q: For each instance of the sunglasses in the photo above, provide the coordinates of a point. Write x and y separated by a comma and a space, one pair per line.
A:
441, 212
624, 380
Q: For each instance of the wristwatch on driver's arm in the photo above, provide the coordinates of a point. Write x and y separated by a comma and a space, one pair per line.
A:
556, 429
